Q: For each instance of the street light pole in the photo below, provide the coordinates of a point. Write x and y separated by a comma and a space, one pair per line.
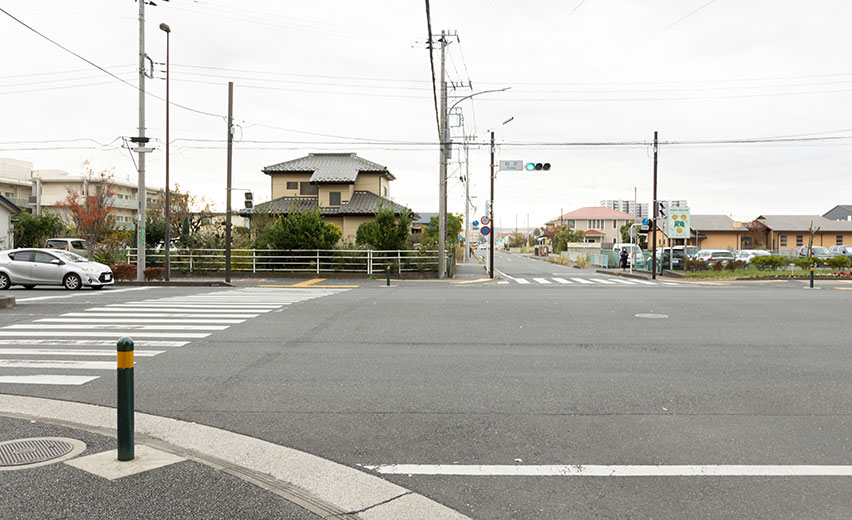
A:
164, 27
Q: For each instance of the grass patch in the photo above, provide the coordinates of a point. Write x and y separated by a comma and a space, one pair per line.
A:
751, 273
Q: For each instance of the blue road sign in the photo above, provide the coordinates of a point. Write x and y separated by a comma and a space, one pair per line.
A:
475, 223
485, 230
645, 222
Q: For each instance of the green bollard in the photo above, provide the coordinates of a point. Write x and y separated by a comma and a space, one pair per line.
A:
387, 275
125, 399
812, 277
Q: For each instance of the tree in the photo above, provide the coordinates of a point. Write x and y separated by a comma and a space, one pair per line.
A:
454, 227
565, 235
386, 231
91, 213
34, 230
187, 214
300, 230
625, 231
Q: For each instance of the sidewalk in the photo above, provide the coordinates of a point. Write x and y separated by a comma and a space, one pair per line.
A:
181, 470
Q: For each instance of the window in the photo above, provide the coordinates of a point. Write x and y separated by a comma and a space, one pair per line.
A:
292, 185
799, 240
23, 256
306, 188
44, 258
334, 198
614, 225
783, 239
838, 240
385, 191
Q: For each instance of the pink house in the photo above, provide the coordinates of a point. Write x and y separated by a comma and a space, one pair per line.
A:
600, 225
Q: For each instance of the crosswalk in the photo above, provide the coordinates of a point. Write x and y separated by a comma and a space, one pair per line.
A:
63, 350
583, 281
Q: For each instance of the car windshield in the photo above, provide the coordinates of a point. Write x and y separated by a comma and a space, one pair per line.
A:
819, 250
69, 256
722, 254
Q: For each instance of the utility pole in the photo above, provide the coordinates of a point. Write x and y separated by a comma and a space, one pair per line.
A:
142, 193
466, 202
228, 195
491, 216
654, 222
442, 169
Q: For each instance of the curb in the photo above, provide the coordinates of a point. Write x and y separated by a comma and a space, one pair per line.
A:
624, 275
173, 283
7, 301
317, 484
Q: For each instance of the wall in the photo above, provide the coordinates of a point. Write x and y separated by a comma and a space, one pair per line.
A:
279, 183
823, 238
374, 183
6, 237
719, 240
325, 189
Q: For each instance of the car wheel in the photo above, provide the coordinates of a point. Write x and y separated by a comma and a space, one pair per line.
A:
72, 282
5, 282
29, 286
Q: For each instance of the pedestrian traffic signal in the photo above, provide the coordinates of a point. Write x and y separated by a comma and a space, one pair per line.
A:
530, 166
249, 200
663, 209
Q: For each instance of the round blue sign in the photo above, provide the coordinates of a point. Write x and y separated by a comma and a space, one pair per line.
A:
645, 222
475, 223
485, 230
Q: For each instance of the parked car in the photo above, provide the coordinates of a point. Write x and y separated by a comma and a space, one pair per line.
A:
75, 245
747, 254
841, 251
670, 257
691, 251
31, 267
635, 257
818, 253
715, 255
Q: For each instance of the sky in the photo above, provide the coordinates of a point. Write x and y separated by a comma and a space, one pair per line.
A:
590, 82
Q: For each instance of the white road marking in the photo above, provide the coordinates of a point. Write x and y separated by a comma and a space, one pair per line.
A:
71, 352
47, 380
189, 335
625, 282
90, 342
582, 280
168, 309
65, 364
544, 281
225, 306
601, 280
112, 326
522, 281
646, 282
670, 283
590, 470
503, 283
87, 293
104, 314
95, 319
562, 280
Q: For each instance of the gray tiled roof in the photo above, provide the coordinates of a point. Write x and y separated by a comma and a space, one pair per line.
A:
362, 203
712, 223
329, 167
803, 223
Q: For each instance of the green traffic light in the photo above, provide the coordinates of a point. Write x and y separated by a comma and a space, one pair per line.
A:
530, 166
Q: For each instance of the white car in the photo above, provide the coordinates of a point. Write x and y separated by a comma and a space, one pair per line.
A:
31, 267
715, 255
747, 254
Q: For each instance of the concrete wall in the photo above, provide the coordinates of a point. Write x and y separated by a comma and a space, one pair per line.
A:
374, 183
279, 183
325, 189
7, 239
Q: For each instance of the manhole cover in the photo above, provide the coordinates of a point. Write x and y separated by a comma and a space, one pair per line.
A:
652, 316
32, 451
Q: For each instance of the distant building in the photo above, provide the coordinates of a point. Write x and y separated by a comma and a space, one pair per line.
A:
7, 210
842, 212
638, 210
599, 225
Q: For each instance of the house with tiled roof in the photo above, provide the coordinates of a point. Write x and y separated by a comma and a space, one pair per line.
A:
348, 189
599, 225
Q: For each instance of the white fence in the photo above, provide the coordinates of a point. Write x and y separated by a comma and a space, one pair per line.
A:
308, 261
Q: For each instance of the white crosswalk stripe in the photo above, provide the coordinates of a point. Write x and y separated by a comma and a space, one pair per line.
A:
583, 281
543, 281
625, 282
152, 323
522, 281
579, 282
562, 280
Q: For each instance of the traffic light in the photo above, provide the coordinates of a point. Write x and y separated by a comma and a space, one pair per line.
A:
663, 209
530, 166
249, 200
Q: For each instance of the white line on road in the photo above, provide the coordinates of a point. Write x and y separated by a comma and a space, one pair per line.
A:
226, 306
113, 326
625, 282
590, 470
104, 314
503, 283
646, 282
71, 352
544, 281
47, 334
582, 280
87, 293
562, 280
47, 380
601, 280
90, 342
522, 281
63, 364
96, 319
211, 312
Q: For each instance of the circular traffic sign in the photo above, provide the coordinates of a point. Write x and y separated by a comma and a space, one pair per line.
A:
485, 230
475, 223
485, 220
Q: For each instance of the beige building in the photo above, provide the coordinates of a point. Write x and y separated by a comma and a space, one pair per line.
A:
347, 188
15, 181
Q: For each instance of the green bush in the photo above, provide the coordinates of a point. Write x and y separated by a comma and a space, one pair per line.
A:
805, 262
694, 264
718, 265
839, 262
736, 264
769, 263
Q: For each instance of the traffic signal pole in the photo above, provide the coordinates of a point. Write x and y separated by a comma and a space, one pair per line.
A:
656, 212
491, 216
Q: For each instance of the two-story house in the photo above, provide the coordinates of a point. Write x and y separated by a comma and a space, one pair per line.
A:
599, 225
348, 189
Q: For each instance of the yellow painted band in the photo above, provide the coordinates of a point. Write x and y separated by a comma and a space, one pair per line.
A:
125, 359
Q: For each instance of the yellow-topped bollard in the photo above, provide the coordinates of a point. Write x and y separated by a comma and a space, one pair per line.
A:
124, 405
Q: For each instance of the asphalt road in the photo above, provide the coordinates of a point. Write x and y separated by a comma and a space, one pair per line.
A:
526, 375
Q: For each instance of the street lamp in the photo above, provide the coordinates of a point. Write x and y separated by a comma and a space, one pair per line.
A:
167, 242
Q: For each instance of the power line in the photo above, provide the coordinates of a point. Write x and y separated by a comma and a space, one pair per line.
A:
432, 65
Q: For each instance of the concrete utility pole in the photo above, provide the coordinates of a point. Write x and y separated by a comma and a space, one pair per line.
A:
142, 193
654, 222
228, 181
491, 215
466, 203
167, 238
442, 170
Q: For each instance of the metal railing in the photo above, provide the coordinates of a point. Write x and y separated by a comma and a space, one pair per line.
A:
366, 261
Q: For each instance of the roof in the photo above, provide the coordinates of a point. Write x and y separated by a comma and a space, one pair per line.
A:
329, 167
9, 204
596, 212
425, 218
712, 223
594, 232
840, 208
361, 203
803, 223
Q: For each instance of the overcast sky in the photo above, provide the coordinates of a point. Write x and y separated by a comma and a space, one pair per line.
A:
354, 76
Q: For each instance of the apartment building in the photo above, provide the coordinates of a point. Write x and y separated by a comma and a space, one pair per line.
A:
637, 209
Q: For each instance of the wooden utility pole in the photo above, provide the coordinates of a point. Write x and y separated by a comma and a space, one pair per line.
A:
656, 211
228, 194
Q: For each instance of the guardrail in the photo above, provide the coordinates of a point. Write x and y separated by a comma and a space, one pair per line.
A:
367, 261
